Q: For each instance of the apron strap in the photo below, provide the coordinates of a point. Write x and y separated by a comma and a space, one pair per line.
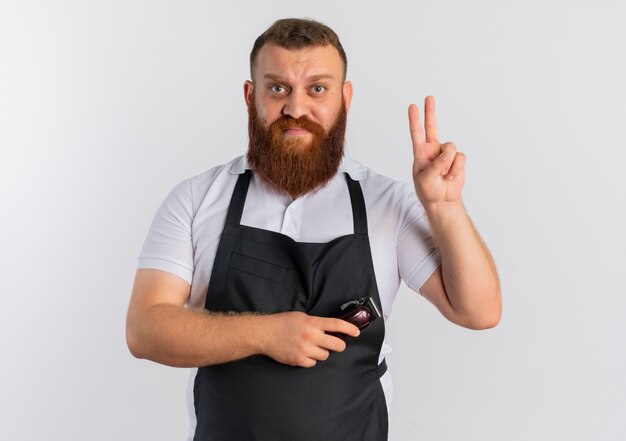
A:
359, 215
238, 199
382, 368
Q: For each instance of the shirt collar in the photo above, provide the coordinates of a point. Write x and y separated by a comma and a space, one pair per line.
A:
355, 169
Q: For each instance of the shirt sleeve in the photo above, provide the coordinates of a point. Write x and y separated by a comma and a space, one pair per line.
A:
418, 257
168, 246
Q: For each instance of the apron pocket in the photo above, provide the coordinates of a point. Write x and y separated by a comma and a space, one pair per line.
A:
259, 268
253, 284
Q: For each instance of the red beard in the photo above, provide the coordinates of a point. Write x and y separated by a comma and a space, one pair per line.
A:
287, 164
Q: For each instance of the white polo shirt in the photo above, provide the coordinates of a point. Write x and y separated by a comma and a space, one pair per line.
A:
186, 229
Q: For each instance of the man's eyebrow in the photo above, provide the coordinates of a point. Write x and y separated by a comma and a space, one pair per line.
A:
312, 78
276, 78
315, 78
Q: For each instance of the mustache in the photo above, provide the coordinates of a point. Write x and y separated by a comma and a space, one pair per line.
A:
287, 122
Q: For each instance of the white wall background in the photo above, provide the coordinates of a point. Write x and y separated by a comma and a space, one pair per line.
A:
105, 106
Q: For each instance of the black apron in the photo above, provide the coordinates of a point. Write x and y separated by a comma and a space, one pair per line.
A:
259, 399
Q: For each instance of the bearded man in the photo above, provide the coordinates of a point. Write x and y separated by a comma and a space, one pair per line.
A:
247, 266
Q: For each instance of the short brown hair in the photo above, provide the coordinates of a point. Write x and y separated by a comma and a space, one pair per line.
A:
297, 33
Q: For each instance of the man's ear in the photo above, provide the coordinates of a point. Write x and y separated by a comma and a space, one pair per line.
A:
347, 94
248, 90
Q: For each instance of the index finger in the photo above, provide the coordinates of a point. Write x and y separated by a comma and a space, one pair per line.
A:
335, 325
415, 126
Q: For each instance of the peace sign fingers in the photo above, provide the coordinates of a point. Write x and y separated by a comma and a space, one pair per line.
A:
438, 169
425, 139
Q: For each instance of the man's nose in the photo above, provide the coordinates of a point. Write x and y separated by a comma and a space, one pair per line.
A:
296, 105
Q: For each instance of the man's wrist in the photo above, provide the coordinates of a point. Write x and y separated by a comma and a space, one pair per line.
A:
443, 214
260, 331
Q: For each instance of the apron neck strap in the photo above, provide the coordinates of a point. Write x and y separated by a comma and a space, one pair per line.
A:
358, 206
237, 201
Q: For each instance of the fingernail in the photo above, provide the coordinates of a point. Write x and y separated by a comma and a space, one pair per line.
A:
444, 156
450, 177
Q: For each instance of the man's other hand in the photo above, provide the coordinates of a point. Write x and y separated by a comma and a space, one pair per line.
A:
297, 339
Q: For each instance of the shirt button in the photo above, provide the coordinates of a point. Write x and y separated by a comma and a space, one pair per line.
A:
290, 210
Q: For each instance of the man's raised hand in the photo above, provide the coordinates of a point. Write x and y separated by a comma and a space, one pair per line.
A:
438, 169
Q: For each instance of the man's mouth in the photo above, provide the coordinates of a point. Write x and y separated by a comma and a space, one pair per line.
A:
296, 131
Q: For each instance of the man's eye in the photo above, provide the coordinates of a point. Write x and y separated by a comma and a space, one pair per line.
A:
278, 89
318, 89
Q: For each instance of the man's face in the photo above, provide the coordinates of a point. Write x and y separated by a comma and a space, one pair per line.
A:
302, 82
297, 107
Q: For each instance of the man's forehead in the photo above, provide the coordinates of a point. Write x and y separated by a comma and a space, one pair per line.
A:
280, 77
310, 62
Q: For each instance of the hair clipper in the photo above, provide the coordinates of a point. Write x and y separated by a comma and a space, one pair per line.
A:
360, 313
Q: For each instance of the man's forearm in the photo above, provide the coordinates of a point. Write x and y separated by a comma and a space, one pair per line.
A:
176, 336
181, 337
469, 273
